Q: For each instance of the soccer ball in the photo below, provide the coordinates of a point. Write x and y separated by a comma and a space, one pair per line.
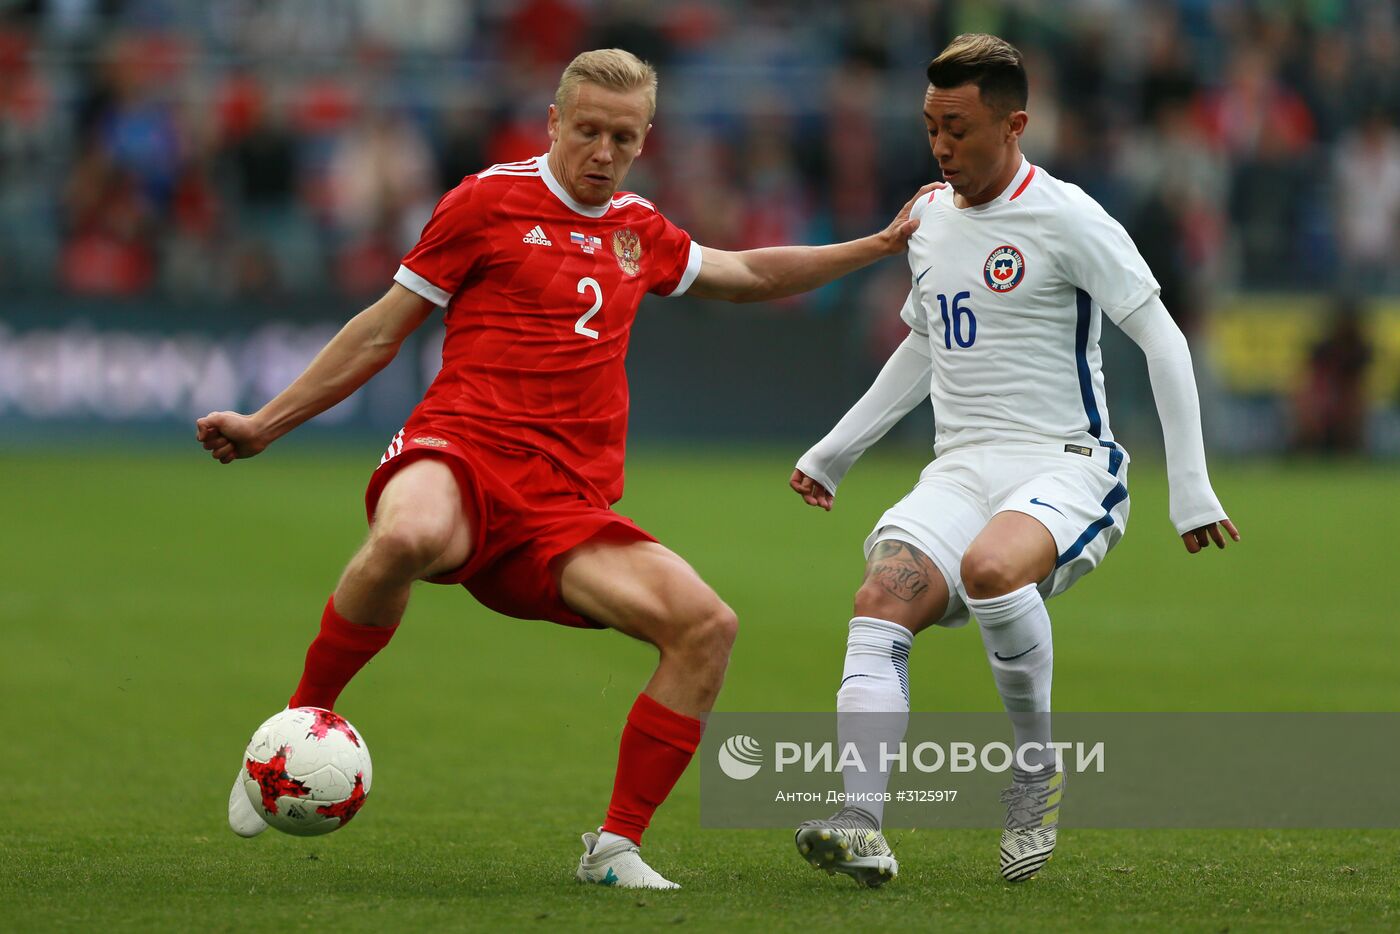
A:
308, 771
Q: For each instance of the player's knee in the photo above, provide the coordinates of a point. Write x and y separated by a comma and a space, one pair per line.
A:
707, 634
715, 630
724, 624
409, 545
874, 600
986, 573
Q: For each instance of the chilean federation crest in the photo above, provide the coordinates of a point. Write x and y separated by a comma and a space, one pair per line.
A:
1004, 269
627, 247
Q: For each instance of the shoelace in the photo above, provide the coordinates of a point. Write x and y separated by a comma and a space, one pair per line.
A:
852, 818
1022, 802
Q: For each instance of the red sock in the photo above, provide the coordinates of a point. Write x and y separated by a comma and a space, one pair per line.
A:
657, 744
337, 653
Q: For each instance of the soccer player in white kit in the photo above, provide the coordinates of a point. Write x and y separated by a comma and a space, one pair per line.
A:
1012, 273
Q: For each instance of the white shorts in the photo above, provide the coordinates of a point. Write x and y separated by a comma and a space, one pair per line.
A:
1081, 498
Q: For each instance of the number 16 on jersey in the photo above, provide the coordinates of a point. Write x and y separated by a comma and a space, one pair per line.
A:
959, 323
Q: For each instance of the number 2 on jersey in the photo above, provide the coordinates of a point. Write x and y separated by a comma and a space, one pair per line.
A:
961, 325
581, 325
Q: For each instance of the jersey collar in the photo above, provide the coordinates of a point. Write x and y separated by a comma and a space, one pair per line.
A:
1024, 173
552, 183
1018, 184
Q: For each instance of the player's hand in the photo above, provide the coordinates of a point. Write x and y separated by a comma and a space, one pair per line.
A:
812, 492
1200, 539
897, 234
229, 436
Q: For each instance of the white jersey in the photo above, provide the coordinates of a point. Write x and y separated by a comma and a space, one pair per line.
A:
1010, 295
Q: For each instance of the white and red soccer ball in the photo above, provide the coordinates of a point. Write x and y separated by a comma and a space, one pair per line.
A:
308, 771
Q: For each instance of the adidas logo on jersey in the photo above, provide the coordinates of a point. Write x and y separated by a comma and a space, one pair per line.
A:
537, 237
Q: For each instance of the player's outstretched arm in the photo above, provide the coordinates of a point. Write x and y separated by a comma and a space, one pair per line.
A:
903, 383
362, 348
1195, 510
780, 271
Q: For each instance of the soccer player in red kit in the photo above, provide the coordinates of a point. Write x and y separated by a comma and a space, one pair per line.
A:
503, 478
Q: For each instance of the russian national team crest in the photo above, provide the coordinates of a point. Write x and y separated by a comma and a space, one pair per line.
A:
1005, 269
627, 247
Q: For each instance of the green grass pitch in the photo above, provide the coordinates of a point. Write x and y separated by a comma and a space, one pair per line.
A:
155, 608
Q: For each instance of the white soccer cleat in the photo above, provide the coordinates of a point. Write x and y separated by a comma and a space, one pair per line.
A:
243, 818
848, 842
620, 865
1032, 822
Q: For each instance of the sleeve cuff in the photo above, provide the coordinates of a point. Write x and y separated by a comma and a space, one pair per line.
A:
1200, 520
415, 283
807, 463
692, 269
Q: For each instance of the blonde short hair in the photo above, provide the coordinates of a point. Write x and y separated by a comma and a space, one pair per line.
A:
614, 69
990, 62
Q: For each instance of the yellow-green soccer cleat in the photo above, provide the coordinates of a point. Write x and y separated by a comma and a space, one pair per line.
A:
848, 842
1032, 819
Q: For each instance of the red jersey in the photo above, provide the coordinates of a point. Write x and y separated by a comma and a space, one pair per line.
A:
541, 292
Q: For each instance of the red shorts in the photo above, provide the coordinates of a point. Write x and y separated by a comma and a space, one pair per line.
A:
524, 515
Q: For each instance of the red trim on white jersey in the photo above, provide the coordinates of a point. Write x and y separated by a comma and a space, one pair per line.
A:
1030, 175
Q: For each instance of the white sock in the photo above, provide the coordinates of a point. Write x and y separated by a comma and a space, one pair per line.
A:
1016, 634
607, 838
872, 704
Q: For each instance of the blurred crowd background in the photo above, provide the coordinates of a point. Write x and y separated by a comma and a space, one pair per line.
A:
286, 154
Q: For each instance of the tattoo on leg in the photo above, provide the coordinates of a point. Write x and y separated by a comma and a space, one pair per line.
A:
903, 570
